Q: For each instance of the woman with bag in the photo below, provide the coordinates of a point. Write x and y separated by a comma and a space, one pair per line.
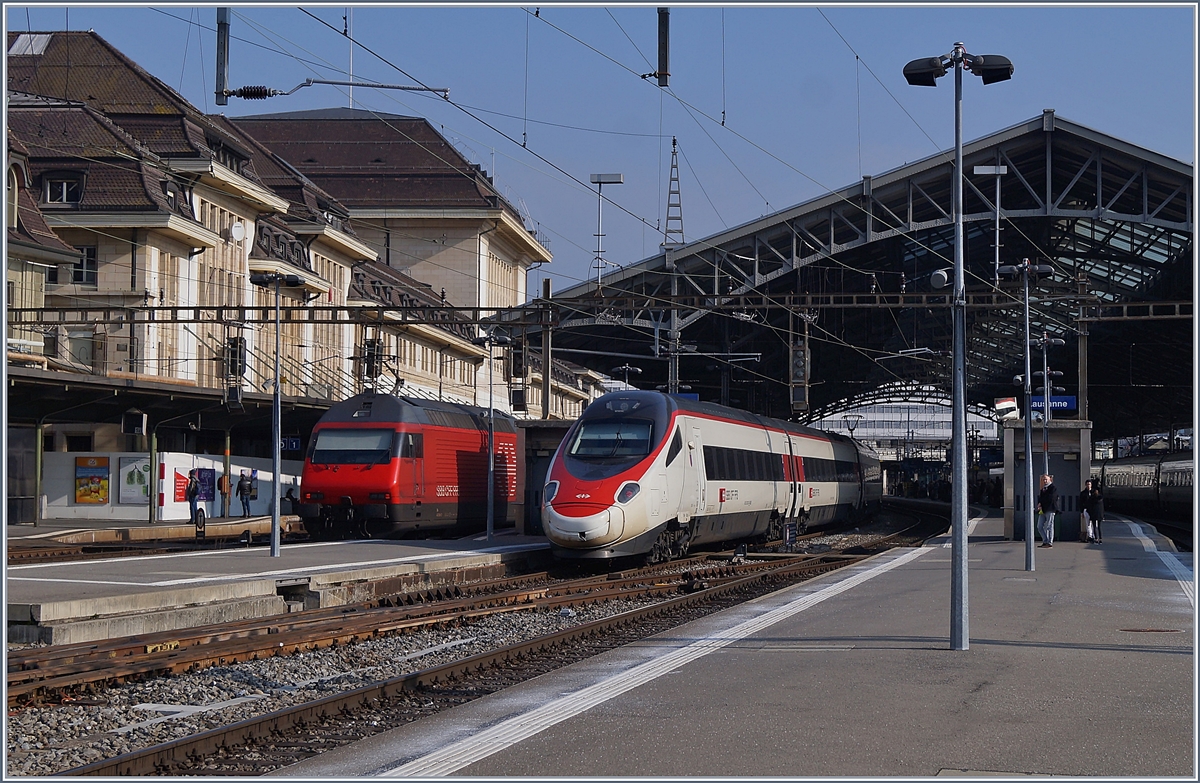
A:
1091, 500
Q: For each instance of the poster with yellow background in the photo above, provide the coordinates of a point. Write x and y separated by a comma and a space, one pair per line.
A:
91, 480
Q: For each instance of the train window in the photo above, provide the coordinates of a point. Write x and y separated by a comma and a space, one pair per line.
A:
612, 438
412, 445
352, 446
676, 446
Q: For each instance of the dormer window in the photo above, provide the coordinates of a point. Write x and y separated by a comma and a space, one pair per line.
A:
174, 196
62, 189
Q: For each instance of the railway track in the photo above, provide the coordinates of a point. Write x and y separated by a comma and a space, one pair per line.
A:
70, 671
291, 734
679, 591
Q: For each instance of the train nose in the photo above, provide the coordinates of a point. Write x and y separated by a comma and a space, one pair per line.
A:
597, 528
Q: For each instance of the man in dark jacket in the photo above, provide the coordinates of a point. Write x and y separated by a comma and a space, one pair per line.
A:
1047, 507
244, 490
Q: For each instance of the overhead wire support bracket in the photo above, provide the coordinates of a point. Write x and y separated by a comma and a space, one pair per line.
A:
259, 92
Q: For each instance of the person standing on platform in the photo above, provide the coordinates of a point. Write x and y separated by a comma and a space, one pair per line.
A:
243, 491
1047, 506
1091, 500
192, 493
223, 489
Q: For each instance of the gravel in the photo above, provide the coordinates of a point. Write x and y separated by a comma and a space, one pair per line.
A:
44, 740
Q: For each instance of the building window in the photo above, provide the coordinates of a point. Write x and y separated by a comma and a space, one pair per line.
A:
79, 442
13, 191
63, 190
86, 271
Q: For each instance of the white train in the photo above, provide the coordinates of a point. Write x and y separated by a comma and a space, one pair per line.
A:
646, 474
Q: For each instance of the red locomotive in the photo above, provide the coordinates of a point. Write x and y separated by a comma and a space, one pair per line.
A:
381, 466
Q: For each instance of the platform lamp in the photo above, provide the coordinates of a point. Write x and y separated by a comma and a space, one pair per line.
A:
267, 280
627, 368
600, 180
489, 338
925, 72
1027, 270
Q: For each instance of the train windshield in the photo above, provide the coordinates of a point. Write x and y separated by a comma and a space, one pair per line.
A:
352, 446
612, 439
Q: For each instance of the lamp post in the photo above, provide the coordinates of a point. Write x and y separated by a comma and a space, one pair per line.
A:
627, 368
489, 339
266, 280
996, 170
852, 420
1026, 270
925, 73
600, 180
1047, 375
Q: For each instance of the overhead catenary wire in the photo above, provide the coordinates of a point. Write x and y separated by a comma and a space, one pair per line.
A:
706, 193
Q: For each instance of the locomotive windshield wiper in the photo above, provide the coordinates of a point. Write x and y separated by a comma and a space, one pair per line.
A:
378, 460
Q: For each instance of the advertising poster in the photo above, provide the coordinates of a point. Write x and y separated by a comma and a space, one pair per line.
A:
254, 485
133, 481
91, 480
180, 487
208, 483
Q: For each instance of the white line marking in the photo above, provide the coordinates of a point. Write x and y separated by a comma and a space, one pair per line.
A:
1182, 573
458, 755
319, 568
972, 523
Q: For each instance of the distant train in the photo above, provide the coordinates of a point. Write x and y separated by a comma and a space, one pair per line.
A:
647, 474
1154, 485
384, 466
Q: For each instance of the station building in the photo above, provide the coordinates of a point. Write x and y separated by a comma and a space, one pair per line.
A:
137, 225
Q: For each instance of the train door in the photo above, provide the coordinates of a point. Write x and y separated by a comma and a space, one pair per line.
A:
693, 476
793, 480
411, 475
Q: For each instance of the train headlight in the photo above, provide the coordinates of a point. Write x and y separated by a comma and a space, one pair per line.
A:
551, 491
628, 491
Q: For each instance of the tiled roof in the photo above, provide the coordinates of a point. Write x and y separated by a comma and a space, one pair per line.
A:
370, 160
120, 174
81, 66
377, 282
32, 228
310, 201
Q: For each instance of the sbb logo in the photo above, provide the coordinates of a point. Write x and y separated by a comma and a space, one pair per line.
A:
721, 495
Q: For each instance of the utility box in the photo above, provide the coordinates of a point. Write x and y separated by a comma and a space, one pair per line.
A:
1070, 457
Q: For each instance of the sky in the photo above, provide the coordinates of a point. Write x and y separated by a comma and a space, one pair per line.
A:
771, 106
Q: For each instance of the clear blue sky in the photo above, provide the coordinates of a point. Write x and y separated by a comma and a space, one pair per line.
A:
813, 96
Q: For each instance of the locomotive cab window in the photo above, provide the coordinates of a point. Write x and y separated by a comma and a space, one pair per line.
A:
607, 439
412, 445
352, 446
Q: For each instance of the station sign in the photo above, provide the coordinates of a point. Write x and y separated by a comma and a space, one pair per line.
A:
1056, 403
289, 444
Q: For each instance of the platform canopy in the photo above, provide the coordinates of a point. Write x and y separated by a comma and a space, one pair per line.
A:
860, 268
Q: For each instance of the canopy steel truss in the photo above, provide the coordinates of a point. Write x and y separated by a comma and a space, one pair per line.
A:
1114, 220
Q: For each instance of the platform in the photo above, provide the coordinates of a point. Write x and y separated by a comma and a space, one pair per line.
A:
1083, 666
107, 531
61, 603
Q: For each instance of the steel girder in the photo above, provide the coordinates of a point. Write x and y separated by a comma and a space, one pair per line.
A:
1113, 219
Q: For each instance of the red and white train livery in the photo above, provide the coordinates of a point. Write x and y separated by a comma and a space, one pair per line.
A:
644, 473
381, 466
